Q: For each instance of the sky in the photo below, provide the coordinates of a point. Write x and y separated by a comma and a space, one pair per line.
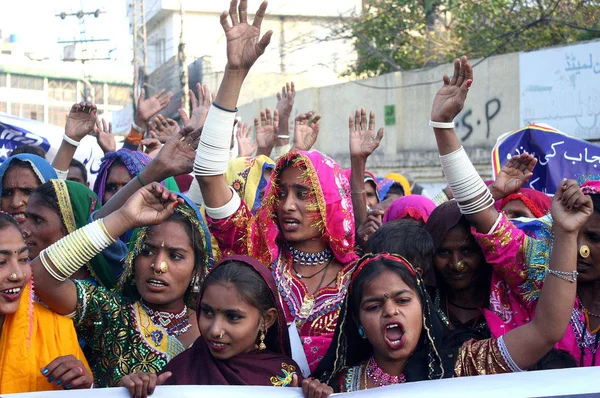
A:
37, 28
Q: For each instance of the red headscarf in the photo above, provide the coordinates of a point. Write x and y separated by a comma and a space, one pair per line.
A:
538, 202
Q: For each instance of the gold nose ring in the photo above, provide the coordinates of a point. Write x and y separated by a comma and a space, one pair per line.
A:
584, 251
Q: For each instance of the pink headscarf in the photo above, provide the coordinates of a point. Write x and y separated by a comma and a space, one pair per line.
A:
333, 202
591, 187
538, 202
414, 206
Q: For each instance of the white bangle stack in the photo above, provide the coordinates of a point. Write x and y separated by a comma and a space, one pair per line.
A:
212, 155
465, 182
441, 125
71, 141
75, 250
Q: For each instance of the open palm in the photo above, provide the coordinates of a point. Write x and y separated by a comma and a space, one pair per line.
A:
363, 140
243, 44
81, 120
306, 131
150, 205
450, 99
514, 174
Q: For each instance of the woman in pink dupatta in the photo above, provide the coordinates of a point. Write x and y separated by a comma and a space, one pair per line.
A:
260, 236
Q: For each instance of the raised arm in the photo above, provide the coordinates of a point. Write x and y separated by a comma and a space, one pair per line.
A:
363, 142
244, 46
527, 344
54, 266
266, 132
80, 122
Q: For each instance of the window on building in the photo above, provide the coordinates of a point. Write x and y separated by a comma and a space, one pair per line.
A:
28, 111
98, 93
62, 90
2, 80
3, 107
119, 95
57, 115
26, 82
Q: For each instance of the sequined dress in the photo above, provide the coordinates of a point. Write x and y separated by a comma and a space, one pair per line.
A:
120, 336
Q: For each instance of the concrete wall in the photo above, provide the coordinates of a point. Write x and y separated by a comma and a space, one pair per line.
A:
409, 146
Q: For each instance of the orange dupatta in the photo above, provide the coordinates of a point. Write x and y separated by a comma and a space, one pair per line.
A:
22, 358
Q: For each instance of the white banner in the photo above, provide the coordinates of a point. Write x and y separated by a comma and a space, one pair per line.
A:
561, 87
550, 383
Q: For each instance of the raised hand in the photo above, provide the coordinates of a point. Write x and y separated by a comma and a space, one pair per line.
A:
150, 205
306, 131
81, 120
104, 136
243, 44
147, 108
363, 140
177, 155
162, 129
200, 107
570, 207
513, 175
285, 100
151, 146
267, 131
313, 388
142, 384
244, 137
450, 99
68, 373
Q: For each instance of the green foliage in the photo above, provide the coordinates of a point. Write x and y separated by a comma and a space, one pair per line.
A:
393, 35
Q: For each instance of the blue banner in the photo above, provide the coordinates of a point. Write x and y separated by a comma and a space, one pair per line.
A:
559, 155
12, 137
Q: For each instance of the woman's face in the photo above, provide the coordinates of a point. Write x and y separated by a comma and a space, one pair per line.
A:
117, 177
229, 325
170, 244
43, 226
17, 186
371, 193
516, 209
589, 235
459, 245
15, 271
294, 208
390, 314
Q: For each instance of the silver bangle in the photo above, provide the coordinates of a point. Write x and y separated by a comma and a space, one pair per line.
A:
71, 140
283, 137
441, 125
138, 128
565, 276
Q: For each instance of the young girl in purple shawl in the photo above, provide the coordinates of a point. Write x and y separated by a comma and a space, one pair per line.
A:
244, 338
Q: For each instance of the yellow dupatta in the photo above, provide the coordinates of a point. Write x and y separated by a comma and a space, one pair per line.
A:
31, 338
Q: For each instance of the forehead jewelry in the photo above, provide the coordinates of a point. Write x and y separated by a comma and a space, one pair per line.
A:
385, 295
164, 267
584, 251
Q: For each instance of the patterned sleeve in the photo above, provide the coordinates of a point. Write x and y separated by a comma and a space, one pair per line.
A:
519, 259
97, 312
231, 232
484, 357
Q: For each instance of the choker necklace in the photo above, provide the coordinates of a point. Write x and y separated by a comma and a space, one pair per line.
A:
176, 323
311, 259
379, 377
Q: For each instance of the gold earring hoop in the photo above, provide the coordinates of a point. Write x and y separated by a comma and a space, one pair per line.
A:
584, 251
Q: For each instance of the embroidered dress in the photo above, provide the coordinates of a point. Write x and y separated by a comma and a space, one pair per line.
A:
258, 236
120, 336
520, 263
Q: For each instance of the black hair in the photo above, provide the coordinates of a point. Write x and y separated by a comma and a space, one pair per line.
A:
596, 202
48, 197
408, 239
555, 359
250, 286
372, 270
81, 167
395, 189
33, 150
15, 163
7, 221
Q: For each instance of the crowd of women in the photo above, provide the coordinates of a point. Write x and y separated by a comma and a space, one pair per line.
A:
135, 284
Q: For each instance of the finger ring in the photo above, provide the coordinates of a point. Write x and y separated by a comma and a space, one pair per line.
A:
80, 371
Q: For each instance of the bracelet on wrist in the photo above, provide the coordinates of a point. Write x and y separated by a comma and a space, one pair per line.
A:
441, 125
71, 141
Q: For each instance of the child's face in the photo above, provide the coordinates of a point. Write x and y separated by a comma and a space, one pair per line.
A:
229, 325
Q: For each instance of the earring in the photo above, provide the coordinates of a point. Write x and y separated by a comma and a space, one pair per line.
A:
262, 345
361, 332
195, 284
584, 251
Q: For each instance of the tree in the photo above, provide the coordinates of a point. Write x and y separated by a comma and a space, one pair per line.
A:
393, 35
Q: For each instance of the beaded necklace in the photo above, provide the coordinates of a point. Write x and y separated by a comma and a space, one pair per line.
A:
176, 324
311, 259
379, 377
